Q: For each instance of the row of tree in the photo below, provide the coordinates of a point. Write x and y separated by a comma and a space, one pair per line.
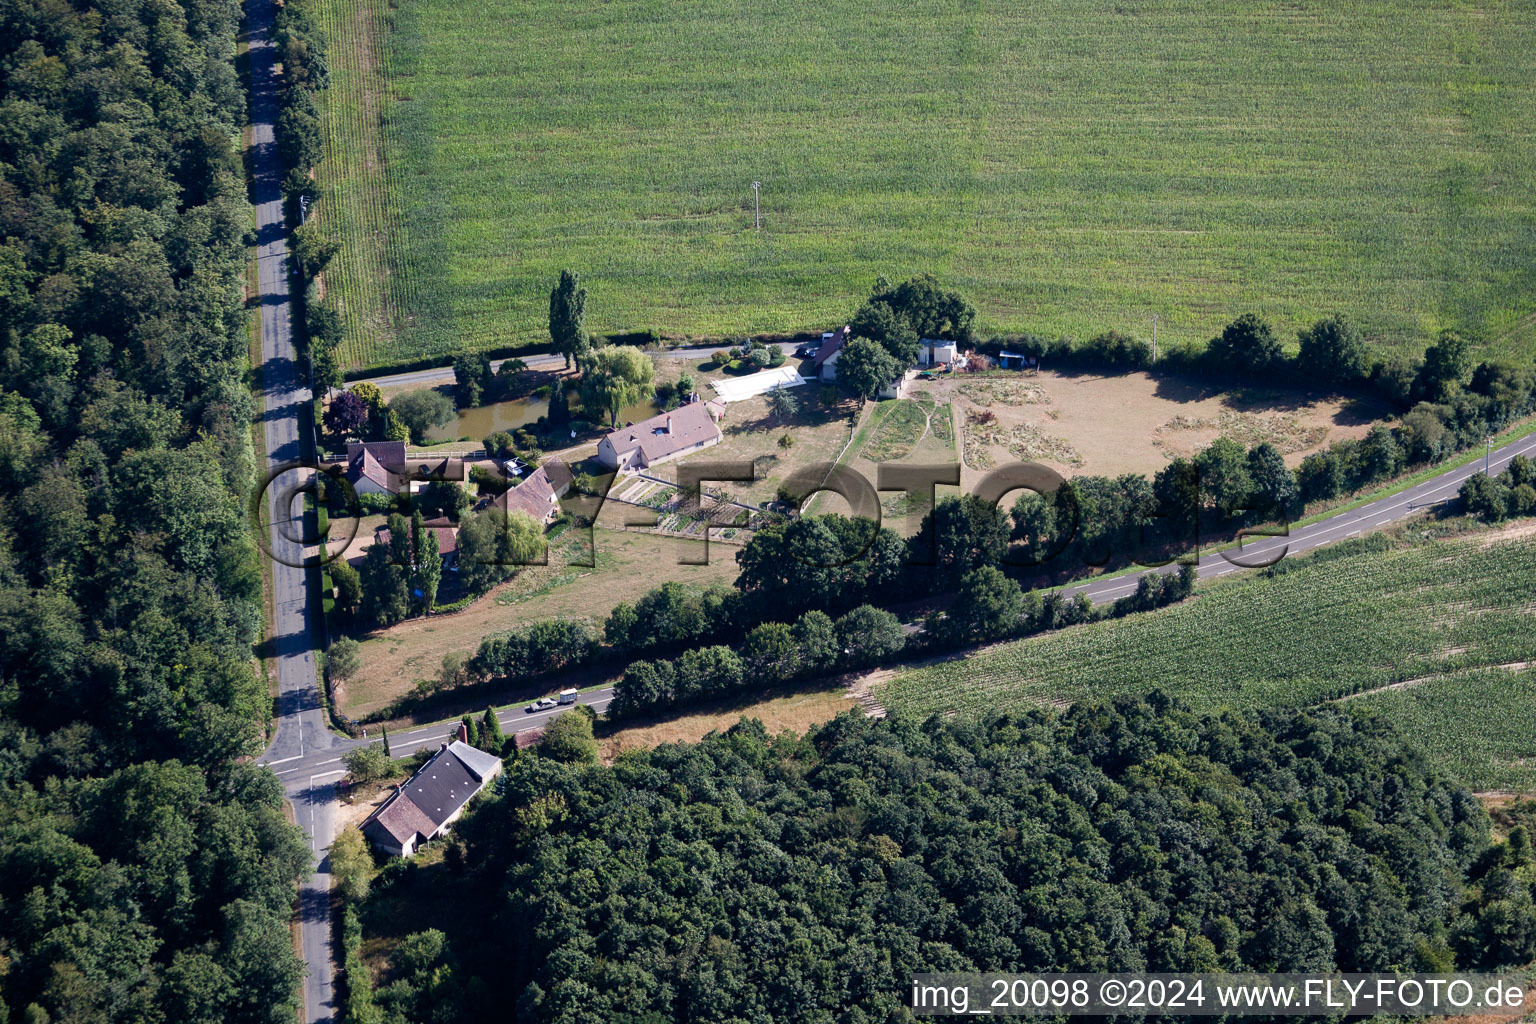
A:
987, 606
146, 870
1331, 353
773, 653
749, 877
299, 131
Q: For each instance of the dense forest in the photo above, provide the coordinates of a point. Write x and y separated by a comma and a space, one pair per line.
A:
146, 874
749, 878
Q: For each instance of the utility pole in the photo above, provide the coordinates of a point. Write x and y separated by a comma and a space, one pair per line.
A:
1154, 337
757, 210
1487, 453
303, 207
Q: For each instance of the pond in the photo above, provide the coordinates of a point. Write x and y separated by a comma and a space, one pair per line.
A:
482, 420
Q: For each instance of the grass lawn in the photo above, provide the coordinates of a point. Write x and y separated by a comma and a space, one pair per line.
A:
752, 433
903, 427
794, 711
1401, 625
628, 565
1071, 166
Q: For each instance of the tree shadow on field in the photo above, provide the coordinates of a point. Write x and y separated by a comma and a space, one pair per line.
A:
1188, 389
1360, 410
1286, 395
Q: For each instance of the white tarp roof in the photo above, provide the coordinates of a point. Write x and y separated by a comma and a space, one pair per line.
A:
739, 389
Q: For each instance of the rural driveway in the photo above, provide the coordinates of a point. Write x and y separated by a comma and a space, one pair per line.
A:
301, 729
437, 375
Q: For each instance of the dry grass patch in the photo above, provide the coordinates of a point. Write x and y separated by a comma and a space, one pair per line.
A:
796, 712
1509, 533
1287, 432
1009, 392
1105, 426
904, 429
987, 435
628, 565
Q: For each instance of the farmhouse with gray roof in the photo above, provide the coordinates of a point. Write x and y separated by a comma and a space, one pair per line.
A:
662, 438
432, 799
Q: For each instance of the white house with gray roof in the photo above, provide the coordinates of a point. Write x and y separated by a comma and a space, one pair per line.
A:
431, 800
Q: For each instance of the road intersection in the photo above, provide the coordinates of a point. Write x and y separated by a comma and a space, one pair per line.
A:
304, 753
300, 727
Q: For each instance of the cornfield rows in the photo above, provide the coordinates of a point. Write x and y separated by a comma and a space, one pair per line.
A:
1442, 611
373, 280
1073, 165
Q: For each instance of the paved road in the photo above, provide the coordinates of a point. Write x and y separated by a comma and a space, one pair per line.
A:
404, 744
444, 374
1431, 492
1340, 527
301, 730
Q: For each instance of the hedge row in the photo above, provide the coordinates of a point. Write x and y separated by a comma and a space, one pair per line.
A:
1331, 353
988, 607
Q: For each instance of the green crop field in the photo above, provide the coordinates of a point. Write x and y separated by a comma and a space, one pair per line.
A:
1436, 615
1073, 166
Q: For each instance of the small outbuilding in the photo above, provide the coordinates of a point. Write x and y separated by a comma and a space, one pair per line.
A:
935, 351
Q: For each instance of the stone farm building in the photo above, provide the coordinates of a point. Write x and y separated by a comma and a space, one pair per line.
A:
662, 438
431, 800
539, 495
375, 467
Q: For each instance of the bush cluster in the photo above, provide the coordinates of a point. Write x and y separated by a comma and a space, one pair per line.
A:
1511, 493
537, 648
774, 652
989, 606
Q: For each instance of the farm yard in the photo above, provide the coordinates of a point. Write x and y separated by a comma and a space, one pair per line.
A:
1439, 633
1083, 423
475, 150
